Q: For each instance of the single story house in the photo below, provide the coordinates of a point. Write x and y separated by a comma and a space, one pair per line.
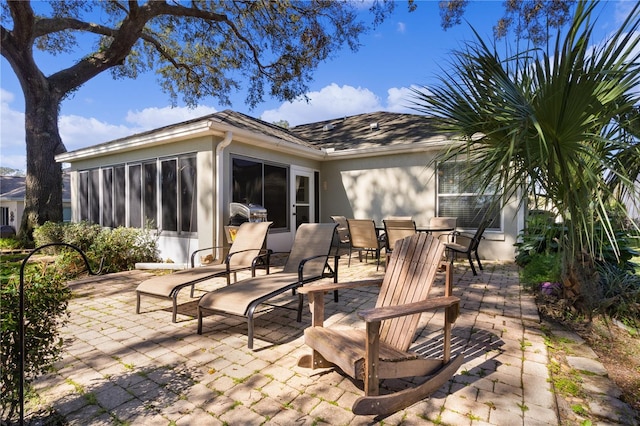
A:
181, 179
12, 192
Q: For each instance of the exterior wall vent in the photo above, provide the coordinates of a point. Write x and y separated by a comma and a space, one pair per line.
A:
373, 126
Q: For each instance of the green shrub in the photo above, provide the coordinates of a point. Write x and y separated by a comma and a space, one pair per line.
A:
541, 268
10, 243
122, 248
46, 299
81, 234
49, 233
618, 293
540, 235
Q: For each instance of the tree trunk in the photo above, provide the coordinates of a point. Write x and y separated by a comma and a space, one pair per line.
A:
43, 197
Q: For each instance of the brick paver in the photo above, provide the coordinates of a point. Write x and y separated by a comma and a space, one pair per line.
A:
123, 368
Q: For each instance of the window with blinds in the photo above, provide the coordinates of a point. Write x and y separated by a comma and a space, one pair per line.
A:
463, 199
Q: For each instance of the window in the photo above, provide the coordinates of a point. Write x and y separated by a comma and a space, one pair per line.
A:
107, 197
149, 191
89, 195
135, 196
160, 193
119, 204
188, 189
461, 199
4, 216
169, 193
264, 184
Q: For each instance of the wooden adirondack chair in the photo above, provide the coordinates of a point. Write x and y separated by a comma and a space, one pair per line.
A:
382, 350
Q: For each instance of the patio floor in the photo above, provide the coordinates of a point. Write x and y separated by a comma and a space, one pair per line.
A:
123, 368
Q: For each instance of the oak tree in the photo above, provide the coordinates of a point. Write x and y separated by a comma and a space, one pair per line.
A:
197, 48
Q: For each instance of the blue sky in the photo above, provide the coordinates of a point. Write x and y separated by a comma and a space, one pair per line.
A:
407, 50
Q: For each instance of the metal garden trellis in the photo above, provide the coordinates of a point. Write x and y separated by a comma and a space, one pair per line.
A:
21, 329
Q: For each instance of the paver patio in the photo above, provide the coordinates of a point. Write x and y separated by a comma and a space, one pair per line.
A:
123, 368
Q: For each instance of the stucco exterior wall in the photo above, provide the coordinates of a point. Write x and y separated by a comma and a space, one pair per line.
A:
401, 185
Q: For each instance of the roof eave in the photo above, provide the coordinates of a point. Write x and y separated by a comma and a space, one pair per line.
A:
269, 142
431, 144
193, 130
170, 135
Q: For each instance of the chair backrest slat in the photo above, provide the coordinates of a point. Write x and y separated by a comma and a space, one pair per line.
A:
251, 236
312, 239
411, 271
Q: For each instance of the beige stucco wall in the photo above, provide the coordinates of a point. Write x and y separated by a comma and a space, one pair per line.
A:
400, 185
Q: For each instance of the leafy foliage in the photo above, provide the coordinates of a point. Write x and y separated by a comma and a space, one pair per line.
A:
542, 267
531, 19
618, 293
121, 248
118, 249
46, 299
552, 124
540, 236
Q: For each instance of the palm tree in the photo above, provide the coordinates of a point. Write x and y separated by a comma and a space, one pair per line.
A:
560, 123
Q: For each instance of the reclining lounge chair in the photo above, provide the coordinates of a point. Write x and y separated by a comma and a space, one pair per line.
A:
307, 262
248, 248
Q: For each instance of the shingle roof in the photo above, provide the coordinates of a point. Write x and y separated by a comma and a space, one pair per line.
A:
246, 122
358, 132
13, 187
369, 130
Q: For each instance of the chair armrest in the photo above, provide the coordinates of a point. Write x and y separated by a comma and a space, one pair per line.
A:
193, 255
265, 256
228, 258
389, 312
324, 287
304, 261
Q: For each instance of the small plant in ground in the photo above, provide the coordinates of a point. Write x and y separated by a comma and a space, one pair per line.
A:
121, 248
540, 268
579, 410
472, 416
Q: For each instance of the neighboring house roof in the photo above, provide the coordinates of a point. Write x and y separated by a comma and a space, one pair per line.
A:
12, 188
363, 134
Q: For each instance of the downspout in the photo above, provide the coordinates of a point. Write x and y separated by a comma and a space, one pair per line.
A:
228, 137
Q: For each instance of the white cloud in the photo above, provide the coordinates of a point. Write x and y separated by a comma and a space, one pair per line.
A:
401, 27
330, 102
12, 126
152, 118
79, 132
622, 11
399, 99
334, 101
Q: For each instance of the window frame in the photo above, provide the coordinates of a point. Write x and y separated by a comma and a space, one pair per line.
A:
146, 194
465, 192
